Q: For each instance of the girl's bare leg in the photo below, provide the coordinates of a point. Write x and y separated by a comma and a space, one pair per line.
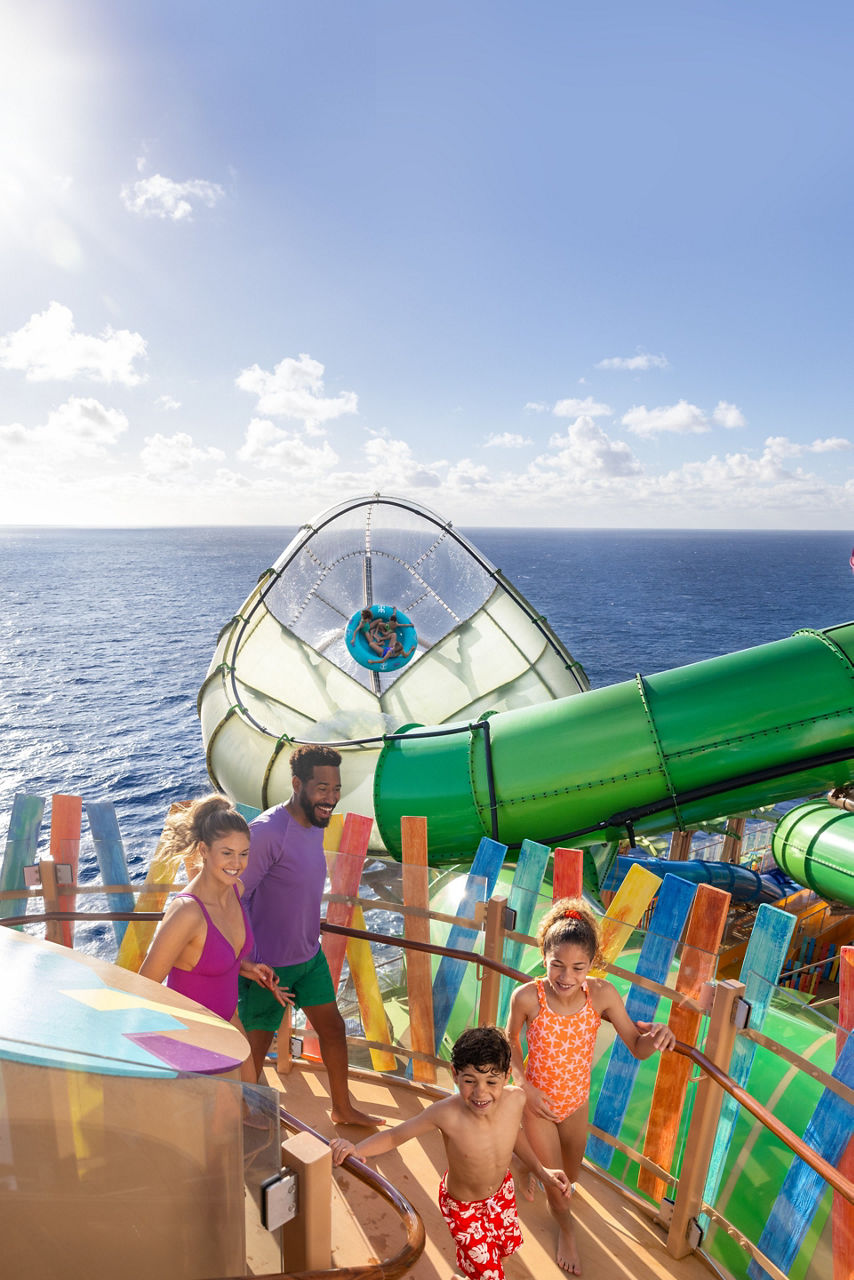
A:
548, 1141
572, 1133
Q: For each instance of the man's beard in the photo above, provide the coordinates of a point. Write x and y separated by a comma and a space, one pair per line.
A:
309, 810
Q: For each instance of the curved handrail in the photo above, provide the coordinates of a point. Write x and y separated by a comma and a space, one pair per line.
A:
801, 1149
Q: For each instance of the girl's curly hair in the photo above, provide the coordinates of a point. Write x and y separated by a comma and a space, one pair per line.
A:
570, 920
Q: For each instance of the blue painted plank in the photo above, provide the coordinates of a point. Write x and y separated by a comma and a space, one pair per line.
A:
110, 852
479, 885
21, 845
763, 960
672, 908
828, 1133
248, 811
522, 898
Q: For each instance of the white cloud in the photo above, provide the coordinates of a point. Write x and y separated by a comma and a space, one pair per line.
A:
295, 390
537, 406
269, 446
80, 428
728, 415
831, 445
175, 455
638, 363
585, 452
682, 418
48, 348
167, 402
588, 407
506, 440
159, 197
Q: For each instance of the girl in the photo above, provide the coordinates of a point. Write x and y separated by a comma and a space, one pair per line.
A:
204, 938
561, 1014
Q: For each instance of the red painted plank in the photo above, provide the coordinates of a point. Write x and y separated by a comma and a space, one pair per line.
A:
843, 1212
66, 813
567, 878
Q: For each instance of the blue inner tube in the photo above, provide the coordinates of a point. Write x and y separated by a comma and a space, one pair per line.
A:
374, 658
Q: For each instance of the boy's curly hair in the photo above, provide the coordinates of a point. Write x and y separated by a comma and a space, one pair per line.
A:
482, 1048
570, 920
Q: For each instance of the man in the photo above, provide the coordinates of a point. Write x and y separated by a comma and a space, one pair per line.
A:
284, 887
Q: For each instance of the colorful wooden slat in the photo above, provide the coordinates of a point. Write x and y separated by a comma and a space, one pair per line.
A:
345, 879
828, 1133
360, 958
66, 813
479, 885
522, 898
110, 852
656, 956
623, 915
766, 952
419, 971
843, 1212
21, 845
568, 874
697, 966
162, 872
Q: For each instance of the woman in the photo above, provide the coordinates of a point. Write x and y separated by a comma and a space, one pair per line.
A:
205, 939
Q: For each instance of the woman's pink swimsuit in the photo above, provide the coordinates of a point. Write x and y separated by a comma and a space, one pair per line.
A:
213, 980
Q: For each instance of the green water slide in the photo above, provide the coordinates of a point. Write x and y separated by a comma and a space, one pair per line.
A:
814, 844
771, 723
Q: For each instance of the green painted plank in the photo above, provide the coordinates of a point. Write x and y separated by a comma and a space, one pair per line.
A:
522, 898
21, 845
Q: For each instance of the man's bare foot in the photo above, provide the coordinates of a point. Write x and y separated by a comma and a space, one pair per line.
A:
567, 1252
352, 1116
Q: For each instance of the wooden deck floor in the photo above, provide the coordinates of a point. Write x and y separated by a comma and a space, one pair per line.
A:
617, 1240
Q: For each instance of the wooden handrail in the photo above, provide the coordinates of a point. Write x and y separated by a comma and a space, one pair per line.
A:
801, 1149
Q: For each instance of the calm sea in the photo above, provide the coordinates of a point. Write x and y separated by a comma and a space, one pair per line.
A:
107, 634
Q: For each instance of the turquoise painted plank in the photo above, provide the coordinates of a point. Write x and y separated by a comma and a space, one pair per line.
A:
479, 885
672, 908
21, 845
110, 852
828, 1133
763, 960
248, 811
522, 898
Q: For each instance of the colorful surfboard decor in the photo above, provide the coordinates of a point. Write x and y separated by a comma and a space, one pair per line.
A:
416, 928
364, 974
763, 960
381, 638
673, 904
828, 1133
161, 875
697, 966
21, 846
843, 1212
479, 885
523, 897
568, 874
110, 852
627, 907
66, 813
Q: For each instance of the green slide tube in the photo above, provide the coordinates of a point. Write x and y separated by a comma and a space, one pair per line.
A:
722, 736
814, 844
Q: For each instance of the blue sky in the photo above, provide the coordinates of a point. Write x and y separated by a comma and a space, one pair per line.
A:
565, 264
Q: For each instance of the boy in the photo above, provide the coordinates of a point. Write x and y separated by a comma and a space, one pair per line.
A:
481, 1127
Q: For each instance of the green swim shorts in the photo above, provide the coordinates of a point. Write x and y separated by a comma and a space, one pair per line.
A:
310, 984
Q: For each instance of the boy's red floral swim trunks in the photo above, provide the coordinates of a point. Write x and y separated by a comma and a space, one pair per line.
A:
484, 1231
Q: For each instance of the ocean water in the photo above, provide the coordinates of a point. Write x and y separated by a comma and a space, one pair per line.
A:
107, 635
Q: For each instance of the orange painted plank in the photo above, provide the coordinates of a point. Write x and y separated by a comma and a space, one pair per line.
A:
697, 966
66, 813
567, 876
843, 1212
419, 974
